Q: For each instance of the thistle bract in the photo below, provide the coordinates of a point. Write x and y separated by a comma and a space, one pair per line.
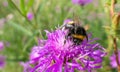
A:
58, 54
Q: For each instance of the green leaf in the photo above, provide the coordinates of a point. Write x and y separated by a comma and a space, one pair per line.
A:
28, 43
22, 7
20, 28
10, 3
30, 3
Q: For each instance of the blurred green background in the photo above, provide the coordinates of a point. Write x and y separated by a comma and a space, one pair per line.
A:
20, 34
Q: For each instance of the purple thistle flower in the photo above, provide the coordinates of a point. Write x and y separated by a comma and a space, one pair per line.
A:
58, 54
27, 67
81, 2
1, 45
113, 60
2, 61
30, 16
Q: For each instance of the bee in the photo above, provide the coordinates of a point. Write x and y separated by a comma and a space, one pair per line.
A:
76, 32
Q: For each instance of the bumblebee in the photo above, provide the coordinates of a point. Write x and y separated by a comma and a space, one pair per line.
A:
76, 32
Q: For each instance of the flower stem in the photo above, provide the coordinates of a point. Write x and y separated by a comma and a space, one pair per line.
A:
116, 53
115, 22
112, 7
19, 10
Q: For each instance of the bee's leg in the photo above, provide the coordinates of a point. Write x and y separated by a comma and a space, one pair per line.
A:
87, 37
66, 38
77, 41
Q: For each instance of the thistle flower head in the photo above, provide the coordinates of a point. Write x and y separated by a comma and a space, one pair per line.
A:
81, 2
30, 16
1, 45
66, 21
27, 67
113, 62
58, 54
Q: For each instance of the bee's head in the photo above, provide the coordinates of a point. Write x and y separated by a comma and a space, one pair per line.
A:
70, 24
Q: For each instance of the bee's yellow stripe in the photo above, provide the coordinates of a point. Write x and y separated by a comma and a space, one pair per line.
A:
71, 22
78, 36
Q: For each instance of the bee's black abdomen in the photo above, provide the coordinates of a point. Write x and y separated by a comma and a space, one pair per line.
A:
78, 30
81, 31
77, 41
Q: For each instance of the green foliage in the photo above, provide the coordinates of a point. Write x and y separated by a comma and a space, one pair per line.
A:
22, 7
29, 4
20, 28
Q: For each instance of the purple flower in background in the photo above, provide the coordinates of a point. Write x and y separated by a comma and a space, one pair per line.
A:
81, 2
113, 60
5, 3
30, 16
2, 61
2, 58
2, 22
60, 54
66, 21
1, 45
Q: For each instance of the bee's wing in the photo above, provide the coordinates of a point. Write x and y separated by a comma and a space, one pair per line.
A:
76, 19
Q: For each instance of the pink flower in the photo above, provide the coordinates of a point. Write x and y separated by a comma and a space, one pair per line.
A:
5, 3
30, 16
81, 2
2, 61
1, 45
113, 60
60, 54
